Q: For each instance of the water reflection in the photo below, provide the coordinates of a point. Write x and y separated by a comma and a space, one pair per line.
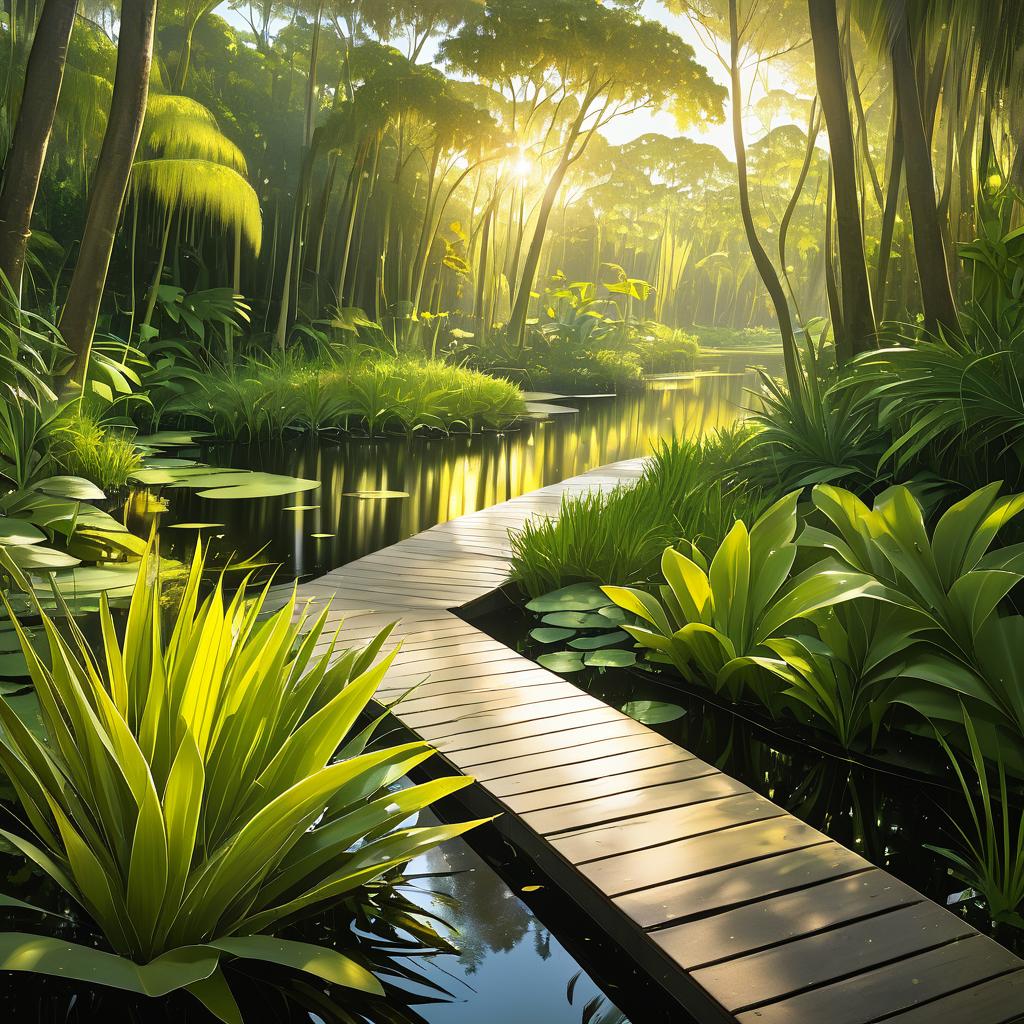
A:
444, 477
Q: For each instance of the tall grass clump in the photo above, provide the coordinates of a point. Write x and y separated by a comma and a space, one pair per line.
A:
266, 398
688, 492
80, 446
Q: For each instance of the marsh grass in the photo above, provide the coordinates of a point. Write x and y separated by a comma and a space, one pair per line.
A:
270, 397
689, 492
81, 446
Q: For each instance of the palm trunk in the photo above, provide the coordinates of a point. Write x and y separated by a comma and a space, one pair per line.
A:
762, 262
110, 180
859, 317
936, 289
23, 167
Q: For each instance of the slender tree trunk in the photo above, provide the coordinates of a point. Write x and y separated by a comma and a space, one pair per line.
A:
892, 201
154, 285
762, 262
24, 164
859, 317
835, 303
110, 181
813, 127
936, 289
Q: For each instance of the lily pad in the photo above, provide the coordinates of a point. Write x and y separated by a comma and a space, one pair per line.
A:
194, 526
300, 508
550, 636
562, 662
159, 462
224, 483
547, 409
576, 620
39, 557
592, 643
613, 613
610, 659
321, 536
169, 439
580, 597
653, 712
375, 494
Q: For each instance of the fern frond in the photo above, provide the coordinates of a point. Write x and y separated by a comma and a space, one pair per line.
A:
176, 138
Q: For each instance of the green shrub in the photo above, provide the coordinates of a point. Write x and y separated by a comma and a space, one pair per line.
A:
81, 446
689, 490
195, 792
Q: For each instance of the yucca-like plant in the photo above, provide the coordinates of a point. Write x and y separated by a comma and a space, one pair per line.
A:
194, 792
712, 623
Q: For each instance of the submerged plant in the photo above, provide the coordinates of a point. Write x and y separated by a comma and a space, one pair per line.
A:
193, 793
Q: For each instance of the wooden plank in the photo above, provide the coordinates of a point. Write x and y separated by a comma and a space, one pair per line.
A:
677, 770
752, 981
703, 853
500, 772
773, 921
662, 827
707, 783
737, 886
600, 769
905, 984
548, 728
990, 1002
470, 701
478, 721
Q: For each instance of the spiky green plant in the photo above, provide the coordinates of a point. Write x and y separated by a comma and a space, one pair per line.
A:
991, 857
194, 792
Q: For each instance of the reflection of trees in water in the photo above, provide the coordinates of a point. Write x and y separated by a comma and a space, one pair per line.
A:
486, 915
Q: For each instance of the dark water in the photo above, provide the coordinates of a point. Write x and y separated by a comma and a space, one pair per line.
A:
444, 477
888, 808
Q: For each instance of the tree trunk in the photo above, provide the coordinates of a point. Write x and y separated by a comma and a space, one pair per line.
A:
892, 199
762, 262
813, 127
859, 317
936, 290
110, 180
24, 164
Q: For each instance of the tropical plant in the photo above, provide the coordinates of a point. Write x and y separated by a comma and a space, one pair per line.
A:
194, 792
991, 855
712, 623
82, 447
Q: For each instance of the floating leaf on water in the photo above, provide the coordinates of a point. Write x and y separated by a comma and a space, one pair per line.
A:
592, 643
550, 636
19, 531
547, 409
193, 526
562, 662
36, 556
610, 659
375, 494
580, 597
540, 396
613, 613
652, 712
531, 888
576, 620
13, 665
254, 485
169, 439
300, 508
321, 536
168, 463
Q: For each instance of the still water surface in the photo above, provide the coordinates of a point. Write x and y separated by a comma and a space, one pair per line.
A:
443, 477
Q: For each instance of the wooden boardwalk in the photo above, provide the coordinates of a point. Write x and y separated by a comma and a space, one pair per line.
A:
739, 910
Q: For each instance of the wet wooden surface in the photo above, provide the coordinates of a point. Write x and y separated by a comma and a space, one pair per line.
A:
737, 908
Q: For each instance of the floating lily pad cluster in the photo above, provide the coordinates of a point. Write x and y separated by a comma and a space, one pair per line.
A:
586, 621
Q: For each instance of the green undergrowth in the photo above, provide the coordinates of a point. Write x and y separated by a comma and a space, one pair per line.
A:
690, 491
82, 446
268, 397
